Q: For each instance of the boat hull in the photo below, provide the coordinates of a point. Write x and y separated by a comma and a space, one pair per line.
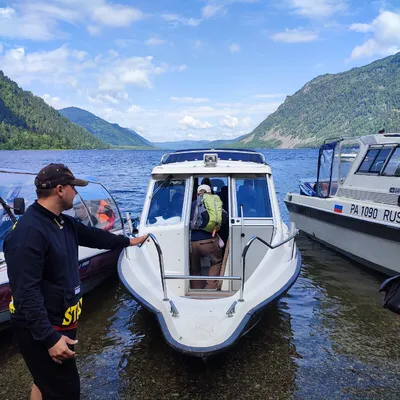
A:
374, 245
249, 320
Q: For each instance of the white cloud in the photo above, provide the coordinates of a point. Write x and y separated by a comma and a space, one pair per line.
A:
176, 19
295, 36
190, 100
124, 43
386, 36
364, 28
317, 8
211, 10
161, 124
54, 66
7, 13
136, 71
112, 98
94, 30
269, 96
50, 100
115, 15
55, 102
198, 44
179, 68
41, 21
220, 110
234, 48
113, 53
215, 7
139, 129
51, 11
79, 55
228, 121
154, 41
135, 109
30, 26
247, 122
1, 48
189, 122
233, 122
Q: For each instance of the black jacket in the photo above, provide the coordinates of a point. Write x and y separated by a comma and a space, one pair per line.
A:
41, 253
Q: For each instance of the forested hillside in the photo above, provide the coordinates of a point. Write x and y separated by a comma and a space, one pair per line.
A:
109, 133
353, 103
27, 122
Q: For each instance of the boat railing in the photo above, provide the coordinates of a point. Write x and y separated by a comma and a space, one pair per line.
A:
185, 277
293, 234
231, 310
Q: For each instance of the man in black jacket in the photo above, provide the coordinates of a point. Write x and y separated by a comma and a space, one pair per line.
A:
41, 253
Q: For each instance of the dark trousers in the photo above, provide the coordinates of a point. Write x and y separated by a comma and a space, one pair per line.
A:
205, 248
55, 381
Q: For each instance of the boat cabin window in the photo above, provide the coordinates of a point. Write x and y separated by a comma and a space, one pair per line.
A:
374, 160
252, 194
167, 202
393, 166
218, 185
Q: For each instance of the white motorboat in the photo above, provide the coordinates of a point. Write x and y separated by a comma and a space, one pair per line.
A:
354, 205
261, 261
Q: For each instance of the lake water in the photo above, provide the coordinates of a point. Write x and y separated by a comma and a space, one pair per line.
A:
328, 338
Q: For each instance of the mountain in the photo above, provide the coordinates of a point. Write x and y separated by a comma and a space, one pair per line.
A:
111, 134
196, 144
27, 122
183, 144
357, 102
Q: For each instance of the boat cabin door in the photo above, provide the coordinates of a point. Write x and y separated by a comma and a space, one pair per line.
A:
250, 215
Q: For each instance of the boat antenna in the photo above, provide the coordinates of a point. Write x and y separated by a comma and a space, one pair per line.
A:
7, 209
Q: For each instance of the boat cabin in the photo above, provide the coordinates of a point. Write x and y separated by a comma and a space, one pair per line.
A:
243, 182
356, 168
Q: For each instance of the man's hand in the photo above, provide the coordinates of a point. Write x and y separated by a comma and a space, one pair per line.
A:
60, 351
138, 240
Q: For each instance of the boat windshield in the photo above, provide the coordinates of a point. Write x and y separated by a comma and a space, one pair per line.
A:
166, 205
393, 166
325, 163
345, 155
334, 163
14, 185
92, 206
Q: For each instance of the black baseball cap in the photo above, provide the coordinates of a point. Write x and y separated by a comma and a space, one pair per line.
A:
56, 174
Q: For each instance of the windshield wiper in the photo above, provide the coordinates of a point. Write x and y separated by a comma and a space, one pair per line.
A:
7, 209
162, 185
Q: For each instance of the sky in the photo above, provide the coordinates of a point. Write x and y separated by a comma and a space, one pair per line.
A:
187, 69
